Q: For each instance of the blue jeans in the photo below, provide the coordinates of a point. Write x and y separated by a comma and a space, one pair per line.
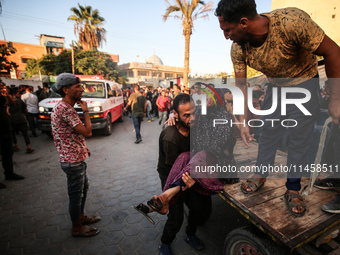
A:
77, 186
162, 116
149, 115
137, 120
299, 136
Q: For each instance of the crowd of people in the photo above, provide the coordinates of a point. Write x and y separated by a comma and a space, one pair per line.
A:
19, 113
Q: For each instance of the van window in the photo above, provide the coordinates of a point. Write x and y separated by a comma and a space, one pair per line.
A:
117, 90
109, 91
93, 89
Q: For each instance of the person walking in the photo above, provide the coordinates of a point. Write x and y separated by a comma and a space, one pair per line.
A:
19, 122
163, 105
138, 106
32, 103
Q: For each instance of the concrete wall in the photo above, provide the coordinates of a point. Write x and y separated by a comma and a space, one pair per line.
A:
325, 13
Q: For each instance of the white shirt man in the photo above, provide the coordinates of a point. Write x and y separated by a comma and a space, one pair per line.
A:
31, 101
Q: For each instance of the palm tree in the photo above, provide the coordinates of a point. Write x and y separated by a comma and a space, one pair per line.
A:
187, 15
88, 26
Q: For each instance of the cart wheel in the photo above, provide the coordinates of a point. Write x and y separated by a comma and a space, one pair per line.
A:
245, 241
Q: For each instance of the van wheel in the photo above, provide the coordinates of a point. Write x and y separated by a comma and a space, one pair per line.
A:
108, 128
121, 118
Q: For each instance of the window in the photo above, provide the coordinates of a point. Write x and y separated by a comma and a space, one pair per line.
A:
179, 75
93, 89
116, 90
142, 73
129, 73
154, 74
168, 75
109, 91
25, 60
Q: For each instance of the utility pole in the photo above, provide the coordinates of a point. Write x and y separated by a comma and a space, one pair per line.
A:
72, 58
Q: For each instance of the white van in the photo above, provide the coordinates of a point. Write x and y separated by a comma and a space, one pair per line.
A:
104, 99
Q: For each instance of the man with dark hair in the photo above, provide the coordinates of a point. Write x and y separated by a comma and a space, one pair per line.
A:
177, 91
6, 144
32, 104
173, 141
44, 93
163, 103
18, 119
69, 137
281, 44
257, 87
138, 106
197, 95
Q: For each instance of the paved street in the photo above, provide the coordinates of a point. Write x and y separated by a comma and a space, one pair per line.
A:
34, 212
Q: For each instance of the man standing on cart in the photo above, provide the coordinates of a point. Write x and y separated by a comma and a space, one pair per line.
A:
281, 44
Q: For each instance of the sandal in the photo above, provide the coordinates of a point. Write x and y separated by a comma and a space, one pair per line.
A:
88, 232
144, 210
290, 204
158, 205
253, 183
90, 220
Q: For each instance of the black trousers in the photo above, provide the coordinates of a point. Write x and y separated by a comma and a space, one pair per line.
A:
6, 145
22, 127
200, 207
32, 122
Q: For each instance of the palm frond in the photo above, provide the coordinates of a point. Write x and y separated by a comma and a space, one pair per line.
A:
202, 12
87, 26
170, 10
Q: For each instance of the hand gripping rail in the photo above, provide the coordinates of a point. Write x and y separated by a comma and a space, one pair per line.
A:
314, 174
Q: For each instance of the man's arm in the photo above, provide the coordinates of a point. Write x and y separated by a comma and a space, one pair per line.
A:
128, 104
331, 53
80, 128
241, 82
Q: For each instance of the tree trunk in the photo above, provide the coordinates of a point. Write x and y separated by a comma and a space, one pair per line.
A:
186, 57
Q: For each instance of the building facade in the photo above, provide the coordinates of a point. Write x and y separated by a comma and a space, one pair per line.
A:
25, 52
325, 13
151, 73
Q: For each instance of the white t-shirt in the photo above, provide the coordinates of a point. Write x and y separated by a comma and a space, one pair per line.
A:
31, 102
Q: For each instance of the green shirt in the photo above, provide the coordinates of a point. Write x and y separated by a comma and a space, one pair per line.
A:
137, 103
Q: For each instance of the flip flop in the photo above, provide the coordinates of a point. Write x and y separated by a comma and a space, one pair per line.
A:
90, 220
157, 204
143, 209
87, 233
290, 204
253, 183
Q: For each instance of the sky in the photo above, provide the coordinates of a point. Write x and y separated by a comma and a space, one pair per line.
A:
135, 30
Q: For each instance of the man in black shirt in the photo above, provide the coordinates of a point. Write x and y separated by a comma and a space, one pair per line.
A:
6, 145
173, 141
